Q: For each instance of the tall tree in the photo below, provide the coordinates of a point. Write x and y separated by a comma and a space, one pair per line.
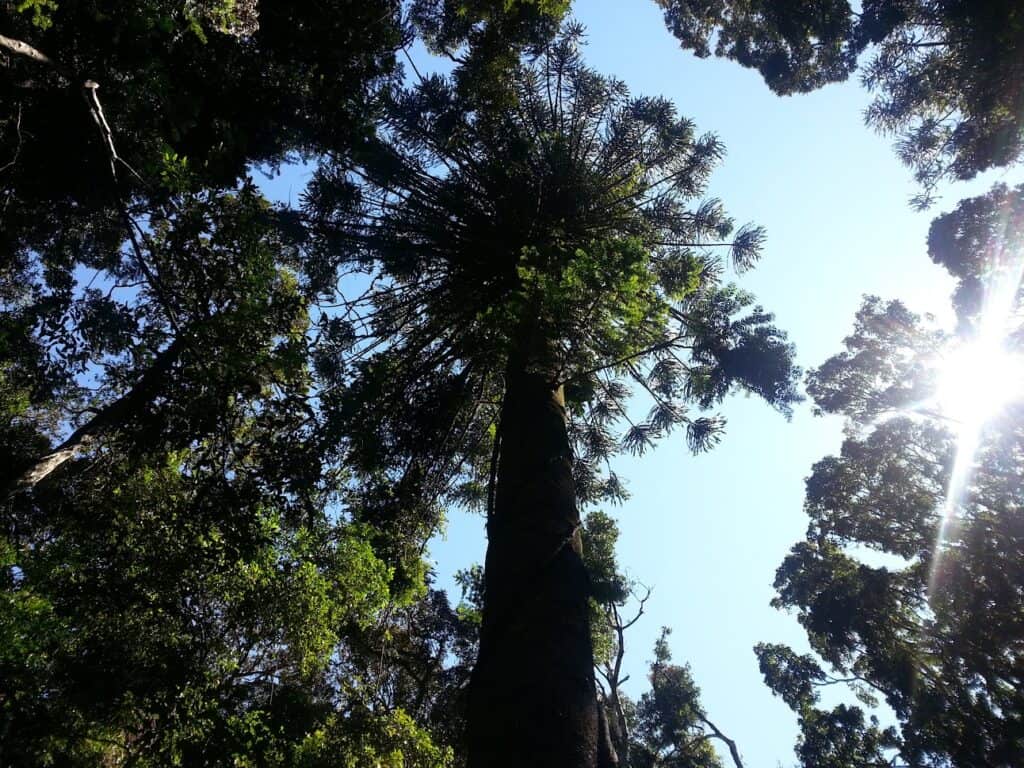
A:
935, 627
532, 250
945, 72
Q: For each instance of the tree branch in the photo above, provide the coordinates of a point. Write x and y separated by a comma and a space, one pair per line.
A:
26, 51
666, 344
729, 742
106, 419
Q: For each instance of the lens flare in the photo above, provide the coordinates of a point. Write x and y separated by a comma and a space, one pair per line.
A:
976, 381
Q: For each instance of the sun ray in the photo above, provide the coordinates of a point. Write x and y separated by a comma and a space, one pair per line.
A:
976, 381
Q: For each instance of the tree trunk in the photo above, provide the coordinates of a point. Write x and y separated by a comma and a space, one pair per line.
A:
532, 698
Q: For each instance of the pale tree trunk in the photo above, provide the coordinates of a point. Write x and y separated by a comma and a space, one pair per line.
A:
532, 698
108, 418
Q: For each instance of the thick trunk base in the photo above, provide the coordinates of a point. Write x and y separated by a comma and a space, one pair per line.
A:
532, 697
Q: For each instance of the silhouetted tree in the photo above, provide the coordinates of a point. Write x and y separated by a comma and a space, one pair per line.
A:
935, 628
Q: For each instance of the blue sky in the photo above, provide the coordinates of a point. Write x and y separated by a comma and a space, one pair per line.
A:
707, 533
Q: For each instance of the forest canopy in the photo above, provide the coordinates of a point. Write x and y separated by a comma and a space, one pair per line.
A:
234, 423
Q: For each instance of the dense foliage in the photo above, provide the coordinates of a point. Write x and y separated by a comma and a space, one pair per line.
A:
230, 427
934, 628
208, 88
180, 573
212, 543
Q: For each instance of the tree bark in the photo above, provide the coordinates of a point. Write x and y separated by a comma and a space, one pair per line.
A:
532, 698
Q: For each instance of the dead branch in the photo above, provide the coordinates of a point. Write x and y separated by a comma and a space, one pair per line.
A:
26, 51
728, 742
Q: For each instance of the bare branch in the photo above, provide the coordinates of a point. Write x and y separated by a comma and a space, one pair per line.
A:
26, 51
106, 419
729, 742
92, 100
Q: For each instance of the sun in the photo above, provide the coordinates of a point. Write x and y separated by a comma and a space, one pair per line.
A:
975, 381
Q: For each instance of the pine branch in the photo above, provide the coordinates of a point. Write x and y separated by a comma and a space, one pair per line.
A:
622, 361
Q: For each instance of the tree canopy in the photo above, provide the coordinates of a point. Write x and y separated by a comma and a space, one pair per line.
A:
179, 579
945, 73
571, 207
933, 628
191, 370
231, 426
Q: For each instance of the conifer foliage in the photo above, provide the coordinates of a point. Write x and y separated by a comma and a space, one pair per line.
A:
533, 251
